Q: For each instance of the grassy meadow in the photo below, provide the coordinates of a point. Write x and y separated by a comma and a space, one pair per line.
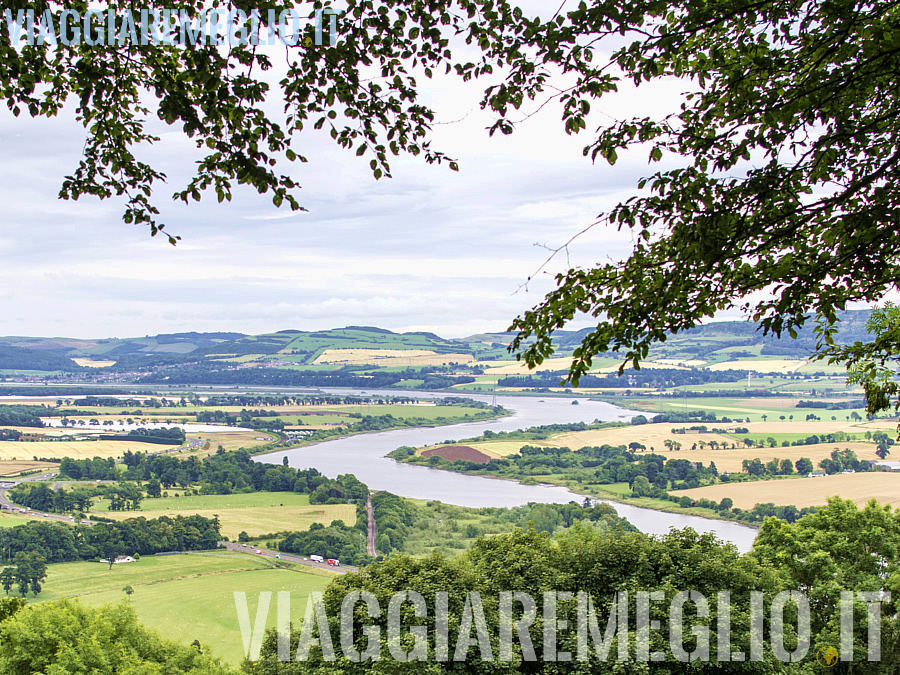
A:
189, 597
255, 513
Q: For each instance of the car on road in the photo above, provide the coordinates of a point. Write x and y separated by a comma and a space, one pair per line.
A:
259, 552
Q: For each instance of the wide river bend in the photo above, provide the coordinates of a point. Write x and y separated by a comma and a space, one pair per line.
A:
364, 456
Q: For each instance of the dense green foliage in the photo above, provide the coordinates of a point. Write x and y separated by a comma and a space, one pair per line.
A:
220, 473
337, 541
66, 636
40, 497
28, 571
98, 468
580, 559
58, 542
21, 416
20, 358
778, 169
841, 548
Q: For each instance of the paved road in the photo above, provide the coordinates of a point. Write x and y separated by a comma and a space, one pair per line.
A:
371, 549
231, 546
7, 504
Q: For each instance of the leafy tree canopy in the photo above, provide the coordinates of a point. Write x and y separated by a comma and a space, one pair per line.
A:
777, 188
361, 90
65, 636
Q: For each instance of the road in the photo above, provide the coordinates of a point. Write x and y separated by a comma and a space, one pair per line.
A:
6, 504
370, 513
247, 548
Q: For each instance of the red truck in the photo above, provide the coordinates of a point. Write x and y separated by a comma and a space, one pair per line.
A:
333, 562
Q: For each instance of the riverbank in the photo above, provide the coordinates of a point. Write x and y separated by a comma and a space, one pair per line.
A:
364, 456
608, 495
308, 443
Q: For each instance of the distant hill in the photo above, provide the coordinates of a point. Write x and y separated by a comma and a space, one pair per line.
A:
714, 342
22, 358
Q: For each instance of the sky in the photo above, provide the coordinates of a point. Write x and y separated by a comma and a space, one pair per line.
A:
427, 250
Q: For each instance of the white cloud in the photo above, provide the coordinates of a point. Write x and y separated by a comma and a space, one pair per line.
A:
429, 249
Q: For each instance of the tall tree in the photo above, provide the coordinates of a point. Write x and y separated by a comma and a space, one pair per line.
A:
777, 192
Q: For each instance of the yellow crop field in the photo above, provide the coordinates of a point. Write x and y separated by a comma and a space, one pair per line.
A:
259, 520
497, 448
31, 400
761, 365
681, 362
11, 467
860, 487
232, 440
74, 449
92, 363
650, 435
732, 460
397, 357
653, 435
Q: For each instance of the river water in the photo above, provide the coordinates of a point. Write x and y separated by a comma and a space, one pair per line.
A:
364, 456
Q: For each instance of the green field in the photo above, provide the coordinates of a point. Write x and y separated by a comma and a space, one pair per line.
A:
12, 519
206, 502
255, 513
188, 597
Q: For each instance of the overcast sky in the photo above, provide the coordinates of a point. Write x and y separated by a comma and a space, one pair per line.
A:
428, 249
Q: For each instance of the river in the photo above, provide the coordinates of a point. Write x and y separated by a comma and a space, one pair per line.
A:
364, 456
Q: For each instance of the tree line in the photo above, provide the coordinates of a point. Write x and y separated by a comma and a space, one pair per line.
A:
59, 542
598, 465
656, 378
40, 497
220, 473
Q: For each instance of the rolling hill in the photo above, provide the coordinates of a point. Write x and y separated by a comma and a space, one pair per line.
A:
364, 350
